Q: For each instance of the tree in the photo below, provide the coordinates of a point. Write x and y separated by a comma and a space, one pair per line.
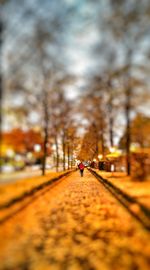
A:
89, 145
94, 112
21, 141
49, 70
140, 130
140, 146
128, 28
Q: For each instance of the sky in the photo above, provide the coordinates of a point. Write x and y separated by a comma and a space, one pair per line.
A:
77, 39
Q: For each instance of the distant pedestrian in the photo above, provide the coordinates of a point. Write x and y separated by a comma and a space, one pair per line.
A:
81, 168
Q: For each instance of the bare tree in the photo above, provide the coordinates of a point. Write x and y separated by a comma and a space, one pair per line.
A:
94, 112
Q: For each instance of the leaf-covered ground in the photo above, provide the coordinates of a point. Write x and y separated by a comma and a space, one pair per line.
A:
75, 225
19, 187
135, 188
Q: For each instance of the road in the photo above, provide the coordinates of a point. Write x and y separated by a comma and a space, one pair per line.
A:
76, 224
6, 178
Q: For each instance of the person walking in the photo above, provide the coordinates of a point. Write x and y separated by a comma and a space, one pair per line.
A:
81, 168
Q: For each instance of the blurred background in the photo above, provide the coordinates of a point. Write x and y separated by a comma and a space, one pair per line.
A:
74, 83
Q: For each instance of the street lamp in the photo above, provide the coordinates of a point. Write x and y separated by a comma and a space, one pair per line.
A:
37, 147
29, 156
100, 156
10, 153
112, 149
134, 147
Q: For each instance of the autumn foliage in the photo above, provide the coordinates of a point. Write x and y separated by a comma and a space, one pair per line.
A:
20, 141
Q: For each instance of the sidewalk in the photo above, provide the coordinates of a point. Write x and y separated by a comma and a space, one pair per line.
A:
138, 190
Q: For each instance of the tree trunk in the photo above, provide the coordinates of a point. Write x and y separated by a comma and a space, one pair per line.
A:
46, 122
45, 151
128, 130
64, 152
111, 123
127, 112
102, 139
96, 152
68, 152
71, 158
1, 86
103, 147
110, 111
57, 154
96, 129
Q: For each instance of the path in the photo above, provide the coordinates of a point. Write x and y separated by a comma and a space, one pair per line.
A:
76, 225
